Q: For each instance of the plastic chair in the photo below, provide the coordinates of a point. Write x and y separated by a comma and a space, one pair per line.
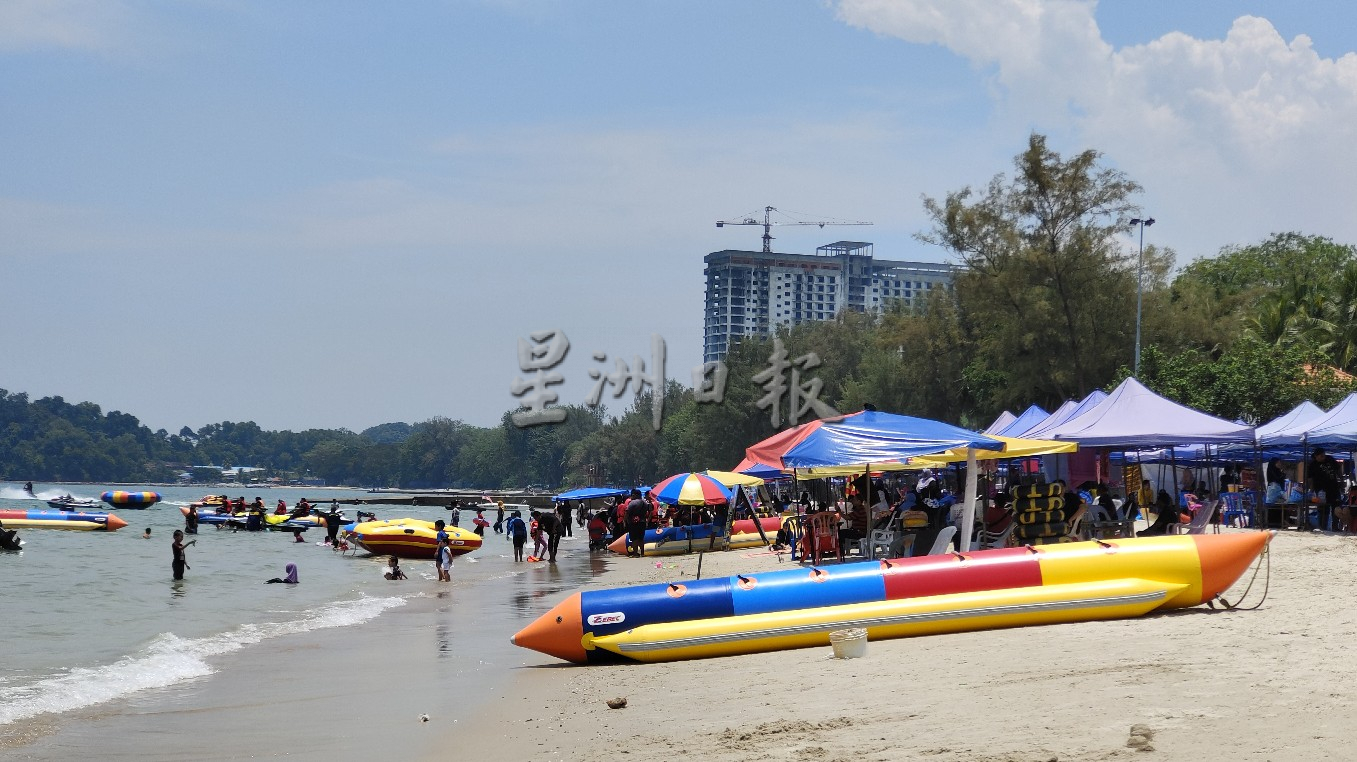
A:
1232, 510
1199, 520
879, 544
943, 542
821, 537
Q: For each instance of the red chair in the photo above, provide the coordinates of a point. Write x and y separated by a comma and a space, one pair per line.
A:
821, 537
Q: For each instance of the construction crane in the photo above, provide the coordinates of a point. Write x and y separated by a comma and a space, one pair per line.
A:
768, 224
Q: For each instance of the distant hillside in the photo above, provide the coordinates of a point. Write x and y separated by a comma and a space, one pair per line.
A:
388, 433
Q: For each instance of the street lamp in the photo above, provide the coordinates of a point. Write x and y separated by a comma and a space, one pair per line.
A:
1140, 281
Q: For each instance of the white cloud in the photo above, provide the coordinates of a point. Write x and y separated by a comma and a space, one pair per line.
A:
1238, 137
64, 24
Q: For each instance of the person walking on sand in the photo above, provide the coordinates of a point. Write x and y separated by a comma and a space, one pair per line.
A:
180, 562
517, 531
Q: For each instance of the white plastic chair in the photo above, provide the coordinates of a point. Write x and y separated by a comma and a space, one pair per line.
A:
944, 541
878, 544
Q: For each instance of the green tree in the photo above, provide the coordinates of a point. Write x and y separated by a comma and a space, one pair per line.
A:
1048, 288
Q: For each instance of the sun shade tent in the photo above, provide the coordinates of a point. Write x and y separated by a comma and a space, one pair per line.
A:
1013, 448
734, 479
1065, 412
875, 440
761, 470
1297, 418
590, 493
1336, 427
1132, 416
1030, 417
1000, 423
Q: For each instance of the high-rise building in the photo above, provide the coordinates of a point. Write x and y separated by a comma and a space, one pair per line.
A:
752, 293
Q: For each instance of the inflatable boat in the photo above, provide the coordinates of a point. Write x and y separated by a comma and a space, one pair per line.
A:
676, 541
929, 595
79, 520
408, 538
130, 499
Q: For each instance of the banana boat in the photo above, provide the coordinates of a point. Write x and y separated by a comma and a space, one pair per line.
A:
675, 541
77, 520
929, 595
408, 538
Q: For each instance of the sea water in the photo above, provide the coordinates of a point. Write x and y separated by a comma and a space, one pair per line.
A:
92, 622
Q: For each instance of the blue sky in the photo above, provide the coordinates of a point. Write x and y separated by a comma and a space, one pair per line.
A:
340, 214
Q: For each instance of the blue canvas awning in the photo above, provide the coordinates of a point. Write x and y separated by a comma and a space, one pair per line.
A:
590, 493
1065, 412
1019, 426
1336, 427
880, 438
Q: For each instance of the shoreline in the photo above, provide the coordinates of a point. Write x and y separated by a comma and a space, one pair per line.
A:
1273, 683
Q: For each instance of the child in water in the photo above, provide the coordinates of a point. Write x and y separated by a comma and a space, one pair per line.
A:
393, 570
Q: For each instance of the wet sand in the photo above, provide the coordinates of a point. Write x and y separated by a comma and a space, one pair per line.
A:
1277, 683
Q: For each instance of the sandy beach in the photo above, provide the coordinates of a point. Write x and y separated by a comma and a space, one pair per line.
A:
1274, 683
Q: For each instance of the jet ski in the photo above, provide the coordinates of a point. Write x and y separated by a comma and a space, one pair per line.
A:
68, 503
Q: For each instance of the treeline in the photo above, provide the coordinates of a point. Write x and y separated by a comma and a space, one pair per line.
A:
1043, 311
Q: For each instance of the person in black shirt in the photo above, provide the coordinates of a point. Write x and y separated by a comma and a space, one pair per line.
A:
637, 512
1324, 480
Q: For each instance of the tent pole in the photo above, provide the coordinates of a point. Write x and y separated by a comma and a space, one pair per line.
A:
968, 510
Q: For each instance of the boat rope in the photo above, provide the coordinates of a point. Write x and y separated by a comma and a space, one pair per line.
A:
1264, 558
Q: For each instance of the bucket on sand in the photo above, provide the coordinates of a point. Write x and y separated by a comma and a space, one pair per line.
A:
849, 644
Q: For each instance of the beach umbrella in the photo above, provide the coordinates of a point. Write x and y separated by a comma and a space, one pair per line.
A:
731, 479
691, 489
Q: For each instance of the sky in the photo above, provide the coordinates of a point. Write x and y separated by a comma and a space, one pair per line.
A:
339, 214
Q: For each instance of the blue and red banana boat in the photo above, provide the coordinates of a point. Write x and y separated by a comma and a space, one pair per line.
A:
78, 520
955, 592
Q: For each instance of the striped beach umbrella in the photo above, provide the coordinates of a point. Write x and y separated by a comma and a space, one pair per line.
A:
691, 489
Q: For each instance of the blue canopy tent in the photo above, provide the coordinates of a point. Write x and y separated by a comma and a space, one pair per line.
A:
590, 493
1065, 412
873, 438
1336, 427
1298, 418
1019, 426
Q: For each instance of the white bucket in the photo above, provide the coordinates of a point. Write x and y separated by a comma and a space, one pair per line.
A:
849, 644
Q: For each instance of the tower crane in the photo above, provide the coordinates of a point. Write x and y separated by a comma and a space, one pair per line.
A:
769, 222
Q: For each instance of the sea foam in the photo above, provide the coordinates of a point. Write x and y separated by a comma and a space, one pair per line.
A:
169, 659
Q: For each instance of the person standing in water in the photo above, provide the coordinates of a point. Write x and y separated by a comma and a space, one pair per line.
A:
517, 531
191, 520
499, 517
444, 560
180, 562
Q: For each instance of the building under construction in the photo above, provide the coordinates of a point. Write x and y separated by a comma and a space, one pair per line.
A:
751, 293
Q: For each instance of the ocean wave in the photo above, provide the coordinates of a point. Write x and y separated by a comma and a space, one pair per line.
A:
169, 659
17, 493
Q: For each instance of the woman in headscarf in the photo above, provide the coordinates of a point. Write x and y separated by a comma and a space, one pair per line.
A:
290, 579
